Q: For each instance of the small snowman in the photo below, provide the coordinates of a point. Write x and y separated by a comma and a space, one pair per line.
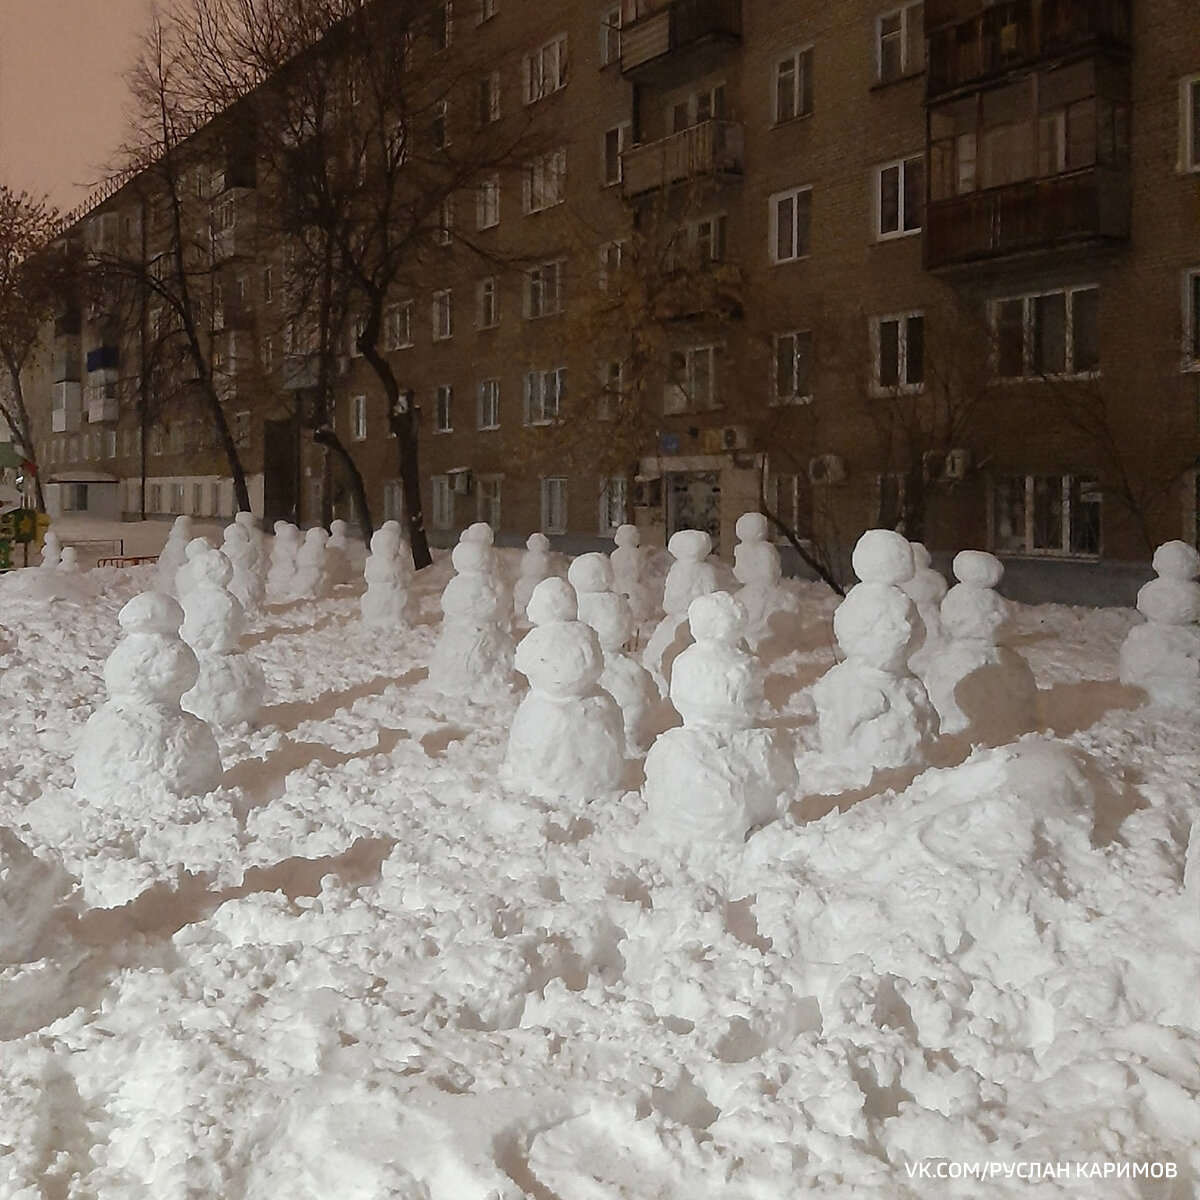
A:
388, 570
872, 711
51, 550
140, 745
724, 772
926, 589
231, 686
337, 551
977, 683
482, 534
537, 564
246, 584
282, 571
312, 579
1163, 656
187, 574
257, 539
757, 567
628, 566
68, 561
624, 678
174, 554
567, 735
473, 655
690, 577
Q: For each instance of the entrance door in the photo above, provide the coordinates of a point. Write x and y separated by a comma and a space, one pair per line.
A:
694, 502
280, 450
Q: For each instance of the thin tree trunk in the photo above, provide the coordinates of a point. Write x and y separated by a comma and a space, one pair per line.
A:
329, 439
23, 429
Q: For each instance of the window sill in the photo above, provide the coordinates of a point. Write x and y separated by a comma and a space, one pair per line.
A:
796, 120
783, 262
883, 84
1048, 555
486, 428
900, 389
1072, 377
898, 236
790, 401
437, 431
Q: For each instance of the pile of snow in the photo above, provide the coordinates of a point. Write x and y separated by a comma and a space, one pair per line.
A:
366, 967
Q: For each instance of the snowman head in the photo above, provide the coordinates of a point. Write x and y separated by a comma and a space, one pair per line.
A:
978, 568
1177, 560
537, 543
385, 540
752, 527
882, 556
470, 558
717, 618
627, 537
690, 545
338, 528
551, 602
591, 573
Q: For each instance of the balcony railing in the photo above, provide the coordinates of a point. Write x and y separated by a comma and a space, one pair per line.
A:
101, 403
66, 408
675, 27
710, 148
1085, 207
970, 41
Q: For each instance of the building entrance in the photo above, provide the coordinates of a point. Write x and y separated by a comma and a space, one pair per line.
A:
694, 502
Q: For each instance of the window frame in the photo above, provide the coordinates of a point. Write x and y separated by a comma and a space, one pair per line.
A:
609, 54
358, 418
687, 389
489, 99
551, 484
483, 501
907, 69
398, 325
441, 502
801, 59
487, 404
487, 303
903, 385
1029, 334
1090, 493
534, 85
1189, 124
795, 396
538, 392
443, 408
543, 181
613, 488
545, 289
443, 304
902, 167
774, 201
487, 202
1191, 319
610, 178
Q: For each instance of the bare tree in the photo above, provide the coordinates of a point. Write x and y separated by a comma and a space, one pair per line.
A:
32, 280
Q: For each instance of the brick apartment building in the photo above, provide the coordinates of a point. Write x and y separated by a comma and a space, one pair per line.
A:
965, 240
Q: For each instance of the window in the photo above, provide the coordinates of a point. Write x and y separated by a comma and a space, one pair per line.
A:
267, 353
487, 202
610, 35
612, 389
442, 508
399, 325
544, 184
611, 254
438, 125
614, 492
544, 290
793, 359
441, 409
110, 443
268, 284
157, 442
898, 353
1051, 334
443, 325
546, 69
241, 429
793, 86
692, 385
487, 500
791, 219
900, 43
899, 197
544, 391
154, 498
488, 416
789, 496
356, 333
1046, 514
487, 10
441, 235
489, 98
441, 26
616, 141
708, 239
554, 505
1189, 123
176, 498
358, 418
1191, 320
487, 304
198, 499
393, 500
707, 104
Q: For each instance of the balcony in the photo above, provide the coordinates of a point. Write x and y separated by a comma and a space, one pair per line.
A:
101, 400
65, 359
678, 26
232, 316
65, 411
1084, 208
234, 241
971, 42
709, 149
103, 358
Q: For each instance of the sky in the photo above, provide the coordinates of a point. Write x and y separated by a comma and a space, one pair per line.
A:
62, 91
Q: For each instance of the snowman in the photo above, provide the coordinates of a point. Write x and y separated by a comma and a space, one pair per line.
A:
690, 577
68, 561
872, 711
624, 678
140, 745
312, 578
978, 684
174, 554
1163, 656
482, 534
230, 688
628, 567
51, 550
187, 574
388, 569
926, 589
724, 772
282, 571
537, 563
246, 582
258, 539
337, 551
567, 735
473, 655
757, 568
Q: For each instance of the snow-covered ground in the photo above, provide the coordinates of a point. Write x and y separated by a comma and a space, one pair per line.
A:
364, 969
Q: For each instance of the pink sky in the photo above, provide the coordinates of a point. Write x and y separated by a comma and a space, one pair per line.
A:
62, 89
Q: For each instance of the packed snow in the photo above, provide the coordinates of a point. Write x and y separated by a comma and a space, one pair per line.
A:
373, 963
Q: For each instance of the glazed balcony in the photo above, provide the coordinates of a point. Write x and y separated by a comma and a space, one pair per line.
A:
1089, 207
101, 401
707, 150
662, 37
66, 409
971, 42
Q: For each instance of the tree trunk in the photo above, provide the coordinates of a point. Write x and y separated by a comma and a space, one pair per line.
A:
22, 428
329, 439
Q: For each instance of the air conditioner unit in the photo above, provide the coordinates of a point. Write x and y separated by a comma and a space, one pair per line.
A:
826, 468
463, 482
735, 437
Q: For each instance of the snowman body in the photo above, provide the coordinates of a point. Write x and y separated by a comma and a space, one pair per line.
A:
690, 577
246, 583
281, 574
388, 569
312, 579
